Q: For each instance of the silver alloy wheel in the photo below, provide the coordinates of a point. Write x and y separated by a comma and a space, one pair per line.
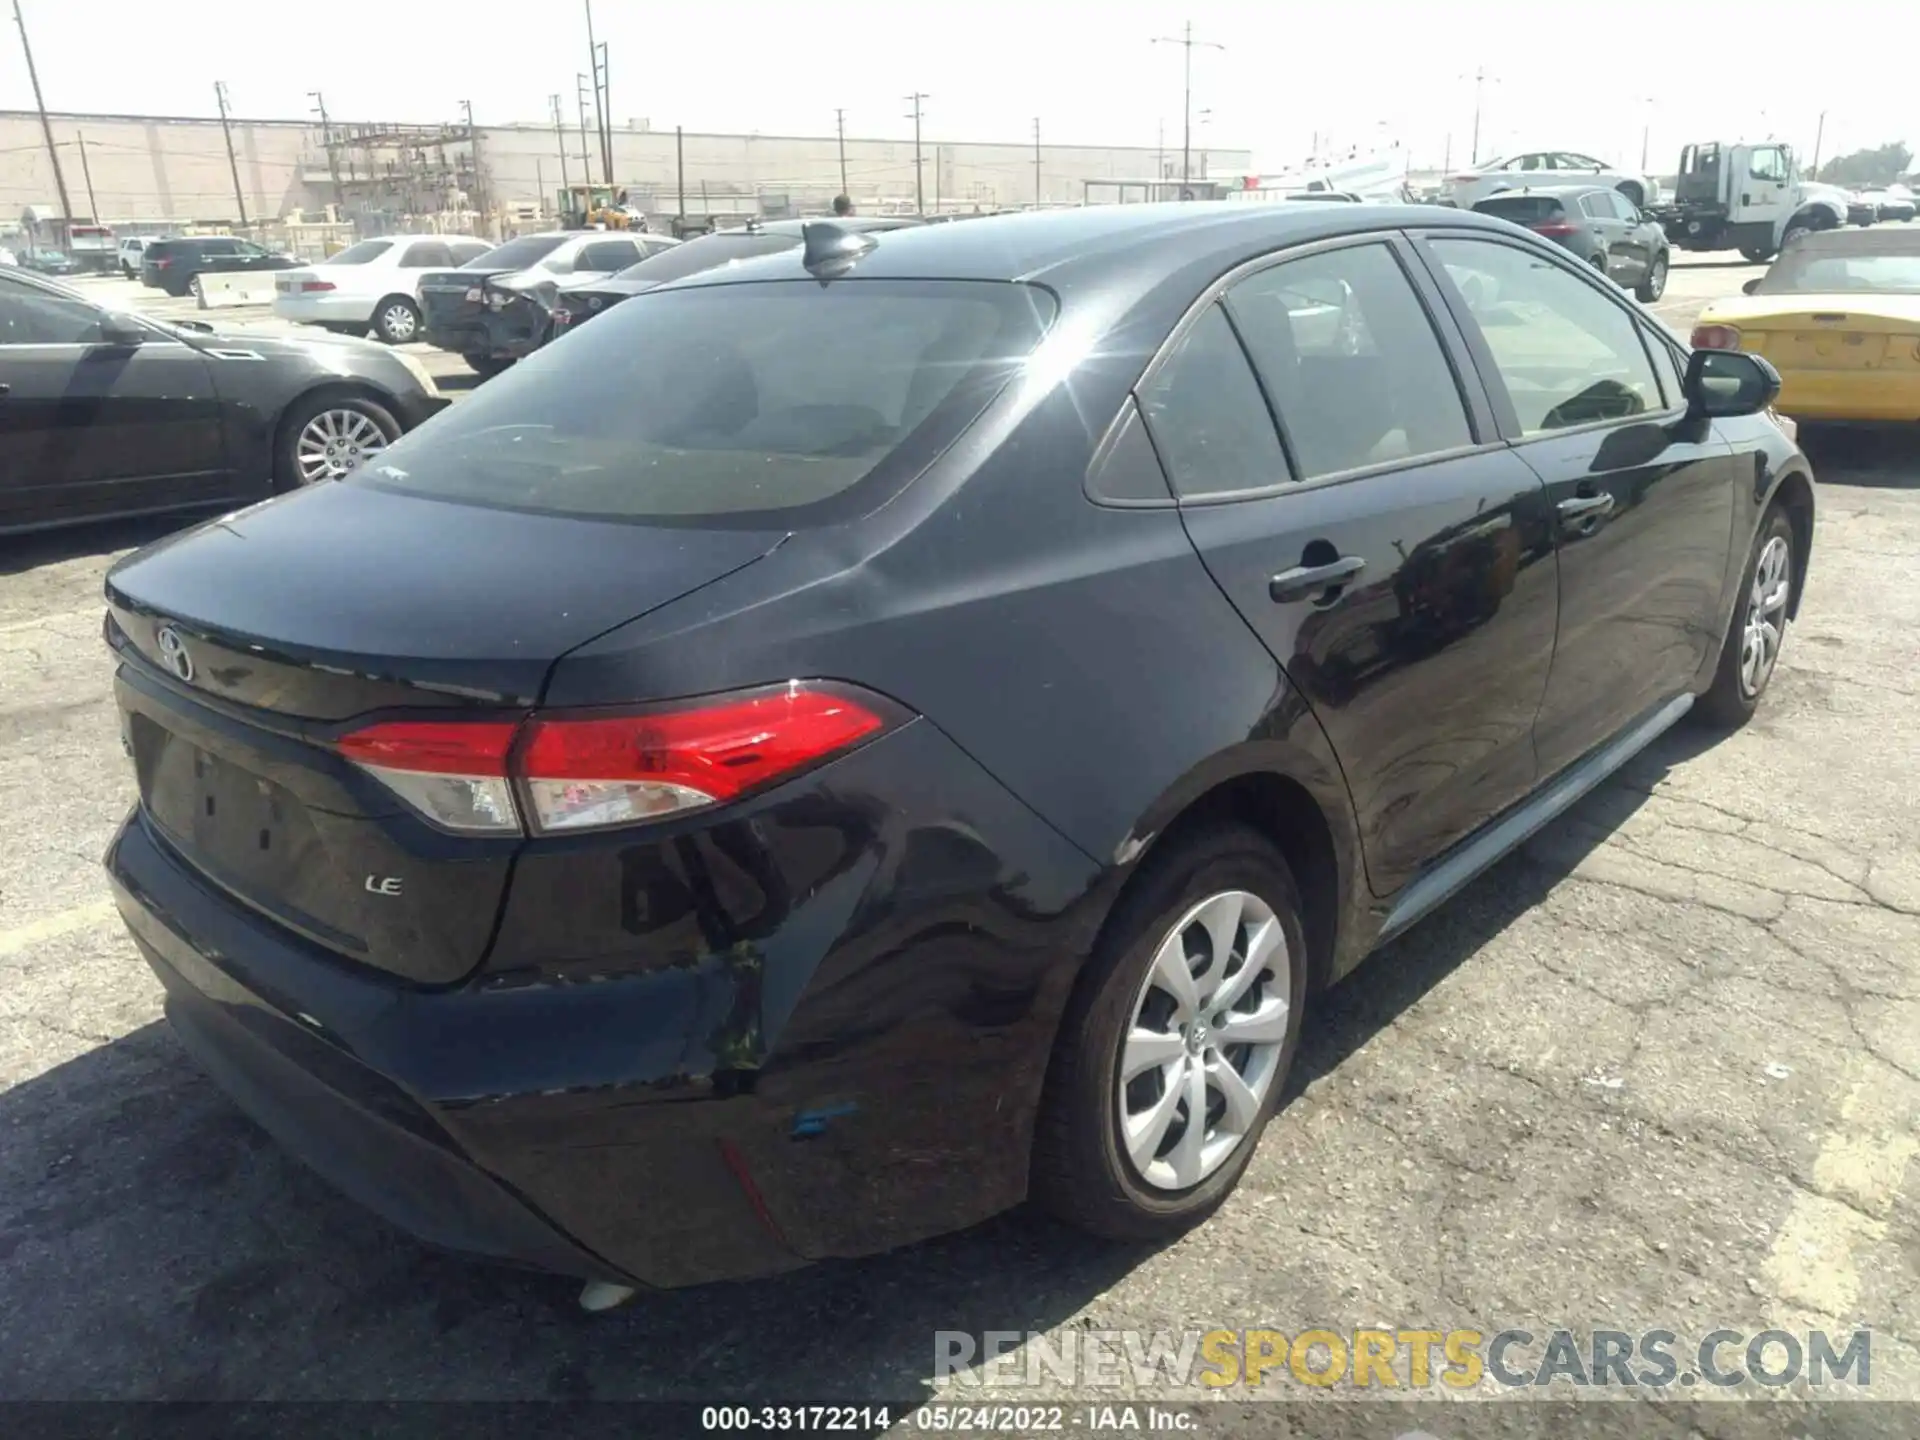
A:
1203, 1045
1657, 281
397, 322
335, 443
1766, 615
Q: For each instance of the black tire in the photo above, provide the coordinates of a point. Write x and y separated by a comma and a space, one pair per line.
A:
1729, 703
286, 465
1655, 285
1081, 1172
486, 366
1758, 254
396, 320
343, 327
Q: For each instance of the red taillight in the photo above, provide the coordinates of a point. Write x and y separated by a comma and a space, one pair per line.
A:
308, 287
575, 772
1555, 227
1715, 337
162, 262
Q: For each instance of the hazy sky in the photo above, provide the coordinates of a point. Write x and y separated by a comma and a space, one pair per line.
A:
1560, 76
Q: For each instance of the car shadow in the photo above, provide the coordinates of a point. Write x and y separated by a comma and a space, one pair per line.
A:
20, 553
155, 1244
1871, 457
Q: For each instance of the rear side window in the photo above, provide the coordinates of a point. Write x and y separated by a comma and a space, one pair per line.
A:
361, 253
517, 253
692, 256
608, 255
1207, 416
1351, 361
730, 404
427, 254
1598, 206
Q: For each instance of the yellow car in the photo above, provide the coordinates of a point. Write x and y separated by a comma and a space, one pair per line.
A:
1838, 315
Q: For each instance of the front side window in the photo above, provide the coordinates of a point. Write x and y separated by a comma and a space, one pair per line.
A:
1769, 162
711, 405
31, 316
1350, 360
1207, 417
1566, 354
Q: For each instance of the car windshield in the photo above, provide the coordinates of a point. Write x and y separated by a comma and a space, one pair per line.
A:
517, 254
360, 254
705, 253
1810, 271
712, 405
1521, 209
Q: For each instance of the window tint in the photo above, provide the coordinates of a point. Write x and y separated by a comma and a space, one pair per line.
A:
1567, 354
465, 250
608, 255
360, 254
1351, 361
1522, 209
427, 254
1596, 207
31, 316
692, 256
712, 405
247, 247
218, 247
1207, 416
518, 253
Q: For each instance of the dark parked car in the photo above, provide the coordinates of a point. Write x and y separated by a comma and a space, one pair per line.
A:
1597, 223
173, 264
838, 745
103, 414
43, 260
498, 308
578, 303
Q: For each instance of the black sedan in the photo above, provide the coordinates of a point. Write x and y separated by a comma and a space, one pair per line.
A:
1597, 223
849, 740
576, 304
105, 415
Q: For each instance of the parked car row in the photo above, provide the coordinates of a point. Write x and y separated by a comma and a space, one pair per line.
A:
372, 285
1549, 167
879, 728
1891, 202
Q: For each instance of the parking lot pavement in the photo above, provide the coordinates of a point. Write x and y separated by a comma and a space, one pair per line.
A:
1661, 1070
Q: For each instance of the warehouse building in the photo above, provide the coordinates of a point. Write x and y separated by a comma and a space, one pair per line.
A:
153, 172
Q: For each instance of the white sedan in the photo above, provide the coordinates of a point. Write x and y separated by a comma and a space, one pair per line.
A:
1548, 167
372, 285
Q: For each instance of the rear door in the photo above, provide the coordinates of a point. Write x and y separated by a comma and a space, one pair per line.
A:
427, 255
1643, 509
1609, 232
216, 253
1390, 551
88, 430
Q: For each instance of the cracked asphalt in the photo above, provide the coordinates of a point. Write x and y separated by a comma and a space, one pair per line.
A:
1661, 1070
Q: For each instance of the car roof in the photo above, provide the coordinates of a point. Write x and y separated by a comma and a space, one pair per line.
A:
1559, 192
1092, 245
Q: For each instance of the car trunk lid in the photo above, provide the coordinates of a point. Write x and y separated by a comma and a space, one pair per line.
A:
1828, 331
251, 646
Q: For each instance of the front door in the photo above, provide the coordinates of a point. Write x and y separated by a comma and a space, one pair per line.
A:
1764, 193
1396, 566
1642, 501
91, 429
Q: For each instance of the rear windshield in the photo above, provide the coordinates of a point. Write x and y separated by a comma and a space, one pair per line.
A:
517, 254
1521, 209
693, 256
360, 254
1810, 271
730, 404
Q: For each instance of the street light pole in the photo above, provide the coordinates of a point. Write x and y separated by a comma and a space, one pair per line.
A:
1187, 43
1819, 135
46, 125
919, 176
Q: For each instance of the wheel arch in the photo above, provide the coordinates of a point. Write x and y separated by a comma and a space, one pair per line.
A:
1794, 494
329, 389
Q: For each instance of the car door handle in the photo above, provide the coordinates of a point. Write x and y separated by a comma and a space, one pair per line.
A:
1304, 580
1579, 505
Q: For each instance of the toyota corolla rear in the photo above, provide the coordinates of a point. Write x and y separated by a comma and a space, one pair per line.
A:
556, 960
1839, 318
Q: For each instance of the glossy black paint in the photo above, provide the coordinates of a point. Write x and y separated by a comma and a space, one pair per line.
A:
170, 264
818, 1022
185, 420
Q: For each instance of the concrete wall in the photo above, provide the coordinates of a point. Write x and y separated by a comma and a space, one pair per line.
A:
156, 169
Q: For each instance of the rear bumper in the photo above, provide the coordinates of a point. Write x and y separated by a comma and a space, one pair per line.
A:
1865, 396
495, 336
817, 1029
322, 309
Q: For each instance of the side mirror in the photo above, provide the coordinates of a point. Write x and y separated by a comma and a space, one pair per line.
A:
1725, 383
121, 331
1751, 285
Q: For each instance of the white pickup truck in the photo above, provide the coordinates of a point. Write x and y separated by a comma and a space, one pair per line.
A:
1746, 197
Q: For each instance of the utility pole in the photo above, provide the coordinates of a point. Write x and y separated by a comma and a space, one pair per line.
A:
840, 128
606, 120
1186, 42
1819, 135
594, 61
473, 153
87, 170
586, 162
680, 165
919, 182
233, 162
560, 139
1036, 161
46, 127
333, 158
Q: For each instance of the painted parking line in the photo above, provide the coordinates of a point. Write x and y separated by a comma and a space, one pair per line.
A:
23, 938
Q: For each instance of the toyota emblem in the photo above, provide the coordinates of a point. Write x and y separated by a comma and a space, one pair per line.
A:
173, 652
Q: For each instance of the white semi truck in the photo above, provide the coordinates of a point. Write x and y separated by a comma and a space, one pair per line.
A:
1746, 197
